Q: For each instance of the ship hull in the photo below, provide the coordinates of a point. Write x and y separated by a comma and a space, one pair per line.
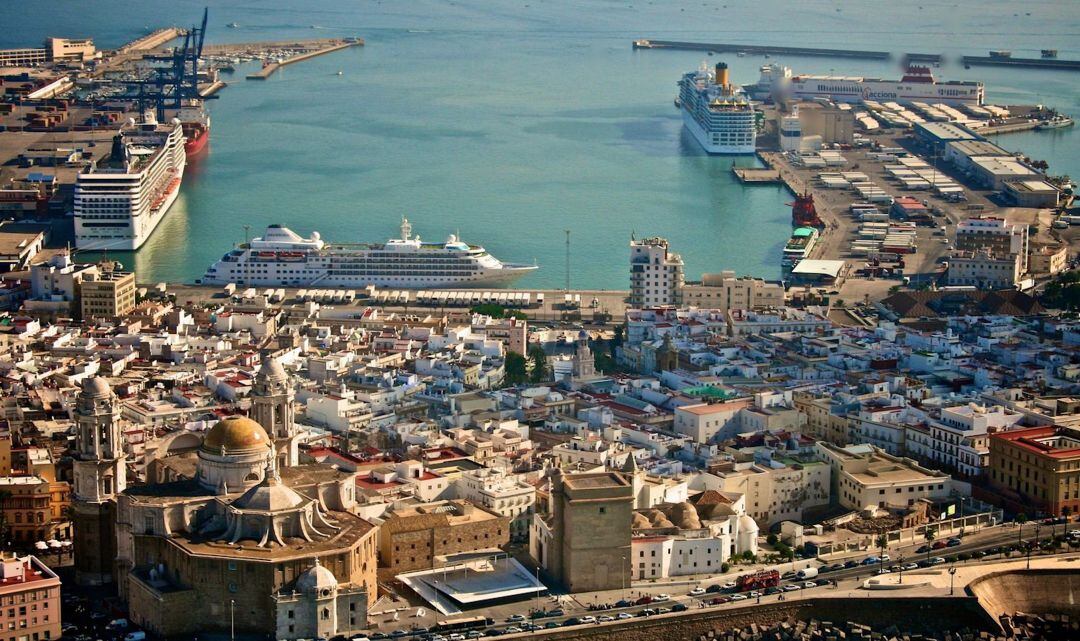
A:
146, 229
702, 139
196, 143
502, 278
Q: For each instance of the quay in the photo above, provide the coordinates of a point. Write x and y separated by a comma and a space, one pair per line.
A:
270, 68
923, 57
1044, 63
210, 90
1009, 128
757, 175
760, 49
152, 40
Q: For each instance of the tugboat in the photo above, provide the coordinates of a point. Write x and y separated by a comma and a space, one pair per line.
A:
803, 212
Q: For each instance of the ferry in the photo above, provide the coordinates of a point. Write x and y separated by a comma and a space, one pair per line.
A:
798, 247
120, 200
718, 114
918, 84
774, 81
1057, 122
281, 257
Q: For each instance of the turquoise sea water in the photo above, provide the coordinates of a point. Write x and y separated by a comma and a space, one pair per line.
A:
509, 121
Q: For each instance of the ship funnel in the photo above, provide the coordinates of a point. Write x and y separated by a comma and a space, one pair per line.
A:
722, 74
119, 150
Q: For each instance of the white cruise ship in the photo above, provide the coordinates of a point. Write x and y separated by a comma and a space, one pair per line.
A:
918, 84
718, 114
281, 257
120, 201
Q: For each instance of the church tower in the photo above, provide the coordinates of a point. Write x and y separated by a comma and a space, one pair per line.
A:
272, 407
100, 472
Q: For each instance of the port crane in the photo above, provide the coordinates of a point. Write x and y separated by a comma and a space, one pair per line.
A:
177, 79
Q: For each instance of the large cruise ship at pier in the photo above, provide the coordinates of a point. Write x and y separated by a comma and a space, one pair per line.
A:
281, 257
718, 114
918, 84
120, 200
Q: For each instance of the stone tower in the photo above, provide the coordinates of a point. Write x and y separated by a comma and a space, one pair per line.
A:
584, 365
272, 407
100, 472
591, 517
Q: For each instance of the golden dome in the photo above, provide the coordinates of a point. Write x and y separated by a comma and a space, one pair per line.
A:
235, 433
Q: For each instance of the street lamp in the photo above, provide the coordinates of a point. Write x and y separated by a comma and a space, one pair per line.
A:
901, 562
952, 573
622, 577
232, 619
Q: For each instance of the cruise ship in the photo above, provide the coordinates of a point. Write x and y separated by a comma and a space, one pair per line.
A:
281, 257
774, 82
120, 200
718, 114
918, 84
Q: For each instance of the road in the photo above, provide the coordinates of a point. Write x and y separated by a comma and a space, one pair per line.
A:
846, 580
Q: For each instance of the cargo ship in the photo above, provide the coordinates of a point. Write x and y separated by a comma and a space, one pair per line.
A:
718, 114
281, 257
917, 84
196, 124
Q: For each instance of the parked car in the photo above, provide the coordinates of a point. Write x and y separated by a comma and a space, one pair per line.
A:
937, 560
513, 618
715, 587
911, 566
939, 545
923, 549
645, 600
739, 597
661, 597
679, 607
953, 542
605, 618
624, 615
698, 591
730, 585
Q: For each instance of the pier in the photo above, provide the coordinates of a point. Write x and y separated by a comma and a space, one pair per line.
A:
335, 45
761, 49
152, 40
757, 175
1042, 63
935, 58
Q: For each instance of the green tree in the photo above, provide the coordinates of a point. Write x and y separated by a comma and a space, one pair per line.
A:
616, 340
771, 540
1063, 292
497, 311
516, 369
725, 567
539, 364
1021, 519
929, 534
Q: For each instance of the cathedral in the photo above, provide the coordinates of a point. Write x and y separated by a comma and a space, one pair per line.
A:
239, 530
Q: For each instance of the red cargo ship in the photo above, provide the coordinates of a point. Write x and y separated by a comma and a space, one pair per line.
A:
196, 125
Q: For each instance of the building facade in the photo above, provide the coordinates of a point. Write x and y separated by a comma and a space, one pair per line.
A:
29, 600
107, 294
995, 234
1038, 468
590, 531
984, 270
656, 273
724, 291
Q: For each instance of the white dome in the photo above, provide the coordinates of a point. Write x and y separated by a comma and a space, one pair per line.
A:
271, 369
96, 387
747, 525
316, 579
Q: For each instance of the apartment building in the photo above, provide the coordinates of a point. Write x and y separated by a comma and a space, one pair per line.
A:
866, 478
501, 493
995, 234
958, 440
724, 291
29, 600
656, 274
1038, 468
107, 294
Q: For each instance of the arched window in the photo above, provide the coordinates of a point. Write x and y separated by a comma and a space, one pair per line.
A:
254, 476
325, 614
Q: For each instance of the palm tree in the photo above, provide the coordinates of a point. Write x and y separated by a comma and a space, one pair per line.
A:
929, 534
882, 542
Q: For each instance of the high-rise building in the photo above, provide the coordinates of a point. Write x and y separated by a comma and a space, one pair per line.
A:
656, 274
108, 293
100, 473
590, 524
995, 234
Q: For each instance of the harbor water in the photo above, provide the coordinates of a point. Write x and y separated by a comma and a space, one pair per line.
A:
508, 122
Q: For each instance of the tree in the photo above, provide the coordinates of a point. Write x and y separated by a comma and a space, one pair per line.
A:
929, 534
1021, 519
516, 369
1063, 292
749, 556
616, 340
724, 567
539, 364
497, 311
771, 539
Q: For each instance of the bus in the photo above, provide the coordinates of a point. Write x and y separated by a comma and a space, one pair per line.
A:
462, 623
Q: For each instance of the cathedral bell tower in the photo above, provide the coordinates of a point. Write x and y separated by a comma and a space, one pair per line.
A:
272, 408
100, 473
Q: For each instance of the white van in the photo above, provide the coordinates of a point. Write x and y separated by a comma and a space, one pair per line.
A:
807, 573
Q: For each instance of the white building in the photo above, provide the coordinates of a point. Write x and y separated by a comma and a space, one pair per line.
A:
501, 493
960, 439
773, 491
866, 478
995, 234
656, 274
985, 270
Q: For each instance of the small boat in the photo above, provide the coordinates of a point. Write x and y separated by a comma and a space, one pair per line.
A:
340, 73
232, 25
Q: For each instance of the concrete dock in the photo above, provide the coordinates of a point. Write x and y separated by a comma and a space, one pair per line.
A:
270, 68
756, 175
760, 49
